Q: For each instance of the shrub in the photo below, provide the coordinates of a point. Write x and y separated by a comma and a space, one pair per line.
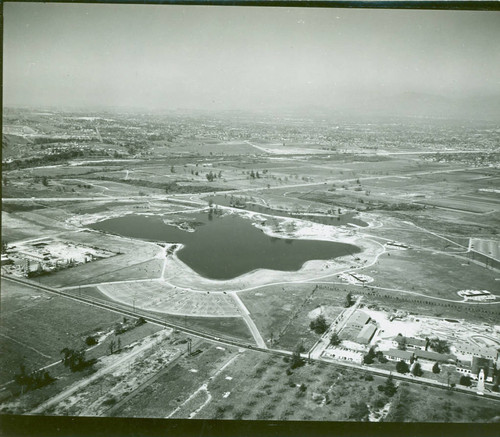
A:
110, 401
380, 401
90, 340
465, 381
359, 411
402, 367
140, 321
319, 325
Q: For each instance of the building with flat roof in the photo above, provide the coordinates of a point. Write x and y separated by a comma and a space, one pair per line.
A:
471, 350
344, 354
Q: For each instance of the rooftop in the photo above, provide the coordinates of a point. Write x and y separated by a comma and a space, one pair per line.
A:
396, 353
359, 318
366, 334
434, 356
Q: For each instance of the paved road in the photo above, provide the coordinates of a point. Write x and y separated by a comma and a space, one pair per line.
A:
248, 320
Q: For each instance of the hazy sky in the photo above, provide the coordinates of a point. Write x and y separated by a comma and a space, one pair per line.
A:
166, 57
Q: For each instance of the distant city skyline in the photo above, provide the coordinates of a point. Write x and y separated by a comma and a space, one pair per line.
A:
227, 58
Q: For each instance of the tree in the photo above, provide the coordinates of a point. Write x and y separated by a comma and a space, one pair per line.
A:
436, 369
417, 370
252, 174
334, 339
90, 340
440, 346
4, 247
45, 181
22, 377
389, 388
297, 360
381, 358
465, 381
369, 357
140, 321
319, 325
402, 367
348, 300
172, 169
111, 347
75, 360
34, 380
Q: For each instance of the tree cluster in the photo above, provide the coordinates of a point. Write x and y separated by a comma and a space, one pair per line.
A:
389, 388
296, 360
439, 346
33, 380
369, 357
75, 359
319, 325
335, 339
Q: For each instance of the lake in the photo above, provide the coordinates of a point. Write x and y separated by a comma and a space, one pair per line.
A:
225, 247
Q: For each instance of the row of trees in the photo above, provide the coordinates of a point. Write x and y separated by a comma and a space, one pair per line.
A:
211, 176
75, 359
33, 380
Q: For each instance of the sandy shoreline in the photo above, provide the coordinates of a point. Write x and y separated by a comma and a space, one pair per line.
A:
181, 275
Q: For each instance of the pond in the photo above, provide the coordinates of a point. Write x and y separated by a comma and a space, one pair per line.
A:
225, 247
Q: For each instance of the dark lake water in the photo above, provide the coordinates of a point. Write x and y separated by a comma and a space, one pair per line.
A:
226, 247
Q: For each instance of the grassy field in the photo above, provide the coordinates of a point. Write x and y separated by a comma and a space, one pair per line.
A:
161, 297
283, 311
173, 387
37, 325
430, 273
256, 386
226, 327
133, 260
